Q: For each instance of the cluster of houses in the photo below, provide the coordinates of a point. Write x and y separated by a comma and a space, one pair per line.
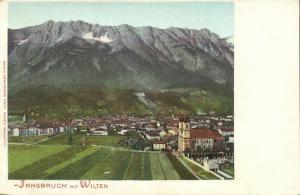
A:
36, 130
205, 132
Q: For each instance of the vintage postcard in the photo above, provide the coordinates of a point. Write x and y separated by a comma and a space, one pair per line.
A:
101, 94
120, 91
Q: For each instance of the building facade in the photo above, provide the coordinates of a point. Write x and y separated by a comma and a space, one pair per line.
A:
206, 140
159, 145
198, 139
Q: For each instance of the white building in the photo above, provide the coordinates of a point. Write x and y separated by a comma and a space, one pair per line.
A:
99, 132
204, 144
172, 132
152, 135
210, 165
50, 131
150, 128
226, 119
159, 145
123, 132
16, 132
103, 127
226, 131
33, 131
162, 133
61, 129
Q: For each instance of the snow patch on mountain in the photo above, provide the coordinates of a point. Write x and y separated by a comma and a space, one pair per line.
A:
142, 97
104, 38
21, 42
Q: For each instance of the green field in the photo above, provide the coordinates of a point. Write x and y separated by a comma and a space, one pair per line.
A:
15, 118
26, 139
61, 139
104, 140
52, 158
24, 155
73, 162
228, 168
199, 171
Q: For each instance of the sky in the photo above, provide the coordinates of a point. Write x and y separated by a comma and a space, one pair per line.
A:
215, 16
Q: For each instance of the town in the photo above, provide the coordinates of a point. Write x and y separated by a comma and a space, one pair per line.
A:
203, 140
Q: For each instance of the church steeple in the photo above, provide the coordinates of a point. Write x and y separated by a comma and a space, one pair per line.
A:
24, 118
184, 134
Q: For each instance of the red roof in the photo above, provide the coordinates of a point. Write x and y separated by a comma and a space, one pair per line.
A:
151, 133
205, 133
226, 129
159, 142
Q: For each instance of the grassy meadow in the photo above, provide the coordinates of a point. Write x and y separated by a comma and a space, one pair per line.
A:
99, 163
228, 168
199, 171
61, 139
102, 158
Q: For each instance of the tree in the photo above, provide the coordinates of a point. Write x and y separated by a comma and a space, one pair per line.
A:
70, 135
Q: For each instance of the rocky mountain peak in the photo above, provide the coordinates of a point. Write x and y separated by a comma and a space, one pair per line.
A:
142, 57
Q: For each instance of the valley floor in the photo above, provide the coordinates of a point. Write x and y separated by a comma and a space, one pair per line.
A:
101, 163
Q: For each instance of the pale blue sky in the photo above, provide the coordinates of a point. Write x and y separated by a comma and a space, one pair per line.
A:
216, 16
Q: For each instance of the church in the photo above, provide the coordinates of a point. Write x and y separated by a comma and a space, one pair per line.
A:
198, 139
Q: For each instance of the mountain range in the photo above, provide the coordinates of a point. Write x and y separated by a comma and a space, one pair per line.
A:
55, 60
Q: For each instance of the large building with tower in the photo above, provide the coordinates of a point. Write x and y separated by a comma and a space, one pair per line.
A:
198, 139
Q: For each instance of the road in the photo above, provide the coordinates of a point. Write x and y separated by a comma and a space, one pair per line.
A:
125, 149
224, 174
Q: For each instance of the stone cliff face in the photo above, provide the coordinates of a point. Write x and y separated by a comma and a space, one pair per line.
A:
79, 54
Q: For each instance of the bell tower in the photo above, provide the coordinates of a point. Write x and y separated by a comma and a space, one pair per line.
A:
184, 134
24, 118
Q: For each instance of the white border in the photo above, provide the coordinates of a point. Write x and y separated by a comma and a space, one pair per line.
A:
267, 155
